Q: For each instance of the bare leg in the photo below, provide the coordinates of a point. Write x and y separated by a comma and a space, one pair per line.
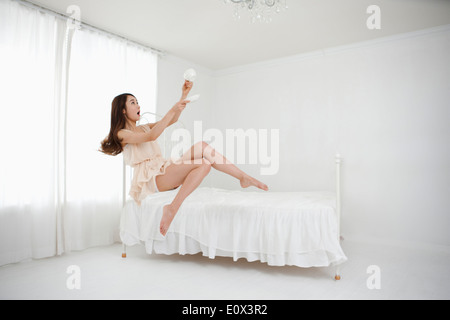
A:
190, 171
193, 179
203, 150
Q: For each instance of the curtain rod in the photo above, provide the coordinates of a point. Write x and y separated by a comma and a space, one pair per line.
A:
88, 26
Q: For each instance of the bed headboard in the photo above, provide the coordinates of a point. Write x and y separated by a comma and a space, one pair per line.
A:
165, 142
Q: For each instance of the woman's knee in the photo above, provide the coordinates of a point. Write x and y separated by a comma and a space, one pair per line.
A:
202, 146
208, 152
205, 145
206, 166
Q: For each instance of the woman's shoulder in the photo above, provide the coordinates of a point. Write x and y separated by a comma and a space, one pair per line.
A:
139, 129
125, 133
121, 134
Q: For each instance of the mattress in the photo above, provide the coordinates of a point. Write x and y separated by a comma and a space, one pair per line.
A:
277, 228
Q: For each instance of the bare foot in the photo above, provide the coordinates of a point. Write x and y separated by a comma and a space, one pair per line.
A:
248, 181
167, 218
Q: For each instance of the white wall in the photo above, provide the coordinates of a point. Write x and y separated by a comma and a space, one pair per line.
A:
384, 105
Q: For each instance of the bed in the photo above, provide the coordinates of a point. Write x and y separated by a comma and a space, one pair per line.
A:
278, 228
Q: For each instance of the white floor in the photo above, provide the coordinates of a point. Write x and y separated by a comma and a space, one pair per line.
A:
404, 274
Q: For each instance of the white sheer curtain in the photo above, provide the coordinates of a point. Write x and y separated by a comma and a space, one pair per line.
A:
57, 192
28, 50
100, 69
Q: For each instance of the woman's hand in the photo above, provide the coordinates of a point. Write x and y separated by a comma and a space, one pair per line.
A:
187, 86
177, 109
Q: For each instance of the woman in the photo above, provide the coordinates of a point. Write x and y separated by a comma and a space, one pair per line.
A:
153, 173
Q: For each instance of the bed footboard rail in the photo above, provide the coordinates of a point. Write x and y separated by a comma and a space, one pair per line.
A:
338, 208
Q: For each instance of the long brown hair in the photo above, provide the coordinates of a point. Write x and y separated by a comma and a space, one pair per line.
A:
112, 145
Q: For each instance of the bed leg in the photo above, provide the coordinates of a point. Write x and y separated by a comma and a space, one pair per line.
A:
337, 275
124, 251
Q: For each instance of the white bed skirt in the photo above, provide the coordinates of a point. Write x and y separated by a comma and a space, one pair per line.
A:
277, 228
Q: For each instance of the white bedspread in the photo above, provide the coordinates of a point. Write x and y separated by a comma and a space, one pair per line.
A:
280, 228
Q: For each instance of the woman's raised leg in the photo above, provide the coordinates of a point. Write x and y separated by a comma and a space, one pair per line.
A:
189, 172
203, 150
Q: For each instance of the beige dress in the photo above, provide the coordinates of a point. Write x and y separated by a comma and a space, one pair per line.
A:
147, 163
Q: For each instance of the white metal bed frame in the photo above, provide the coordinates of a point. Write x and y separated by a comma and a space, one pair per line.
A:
338, 160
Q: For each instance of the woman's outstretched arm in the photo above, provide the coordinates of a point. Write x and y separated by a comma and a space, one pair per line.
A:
187, 86
129, 137
175, 118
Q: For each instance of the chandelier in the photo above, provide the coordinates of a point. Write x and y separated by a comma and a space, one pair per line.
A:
259, 10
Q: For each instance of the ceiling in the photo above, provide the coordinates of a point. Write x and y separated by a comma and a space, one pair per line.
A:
206, 33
